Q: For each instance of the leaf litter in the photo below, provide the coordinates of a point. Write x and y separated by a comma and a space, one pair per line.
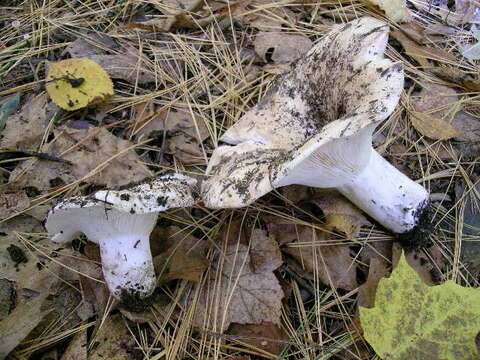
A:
286, 280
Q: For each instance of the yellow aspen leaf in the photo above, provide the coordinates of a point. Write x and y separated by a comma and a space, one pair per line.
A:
76, 83
433, 127
412, 320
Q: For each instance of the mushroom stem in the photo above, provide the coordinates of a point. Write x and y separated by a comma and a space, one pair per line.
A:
387, 195
127, 266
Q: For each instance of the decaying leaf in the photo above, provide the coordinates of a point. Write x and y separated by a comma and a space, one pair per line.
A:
16, 265
76, 83
258, 336
395, 10
281, 47
113, 340
25, 130
16, 326
242, 287
94, 151
412, 320
13, 203
331, 263
340, 214
433, 127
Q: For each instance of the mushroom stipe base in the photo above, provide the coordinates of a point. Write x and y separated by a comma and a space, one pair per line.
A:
136, 302
418, 237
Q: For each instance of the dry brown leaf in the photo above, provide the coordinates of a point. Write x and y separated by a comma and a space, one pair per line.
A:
77, 349
186, 149
15, 269
86, 149
177, 120
281, 47
332, 263
114, 341
11, 204
422, 53
433, 127
25, 130
438, 100
340, 214
284, 231
16, 326
458, 76
256, 335
240, 294
185, 260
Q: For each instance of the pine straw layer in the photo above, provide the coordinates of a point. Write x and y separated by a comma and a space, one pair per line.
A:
213, 82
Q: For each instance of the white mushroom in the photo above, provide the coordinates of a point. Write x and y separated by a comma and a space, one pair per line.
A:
120, 222
314, 127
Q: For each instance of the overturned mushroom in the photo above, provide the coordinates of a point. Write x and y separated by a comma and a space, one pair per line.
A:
120, 222
314, 127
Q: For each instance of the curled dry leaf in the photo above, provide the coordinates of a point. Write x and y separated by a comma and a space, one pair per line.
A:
88, 150
76, 83
331, 263
25, 130
281, 47
11, 204
242, 287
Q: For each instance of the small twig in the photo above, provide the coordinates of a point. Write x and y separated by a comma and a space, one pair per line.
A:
44, 156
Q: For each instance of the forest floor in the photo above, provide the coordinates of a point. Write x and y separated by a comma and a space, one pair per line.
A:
279, 279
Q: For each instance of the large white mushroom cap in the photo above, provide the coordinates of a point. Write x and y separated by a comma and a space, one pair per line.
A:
314, 127
120, 222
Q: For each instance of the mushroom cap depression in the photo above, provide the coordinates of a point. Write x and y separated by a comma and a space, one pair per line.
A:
323, 112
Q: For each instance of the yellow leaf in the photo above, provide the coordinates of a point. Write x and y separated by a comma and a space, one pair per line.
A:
433, 127
75, 83
412, 320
